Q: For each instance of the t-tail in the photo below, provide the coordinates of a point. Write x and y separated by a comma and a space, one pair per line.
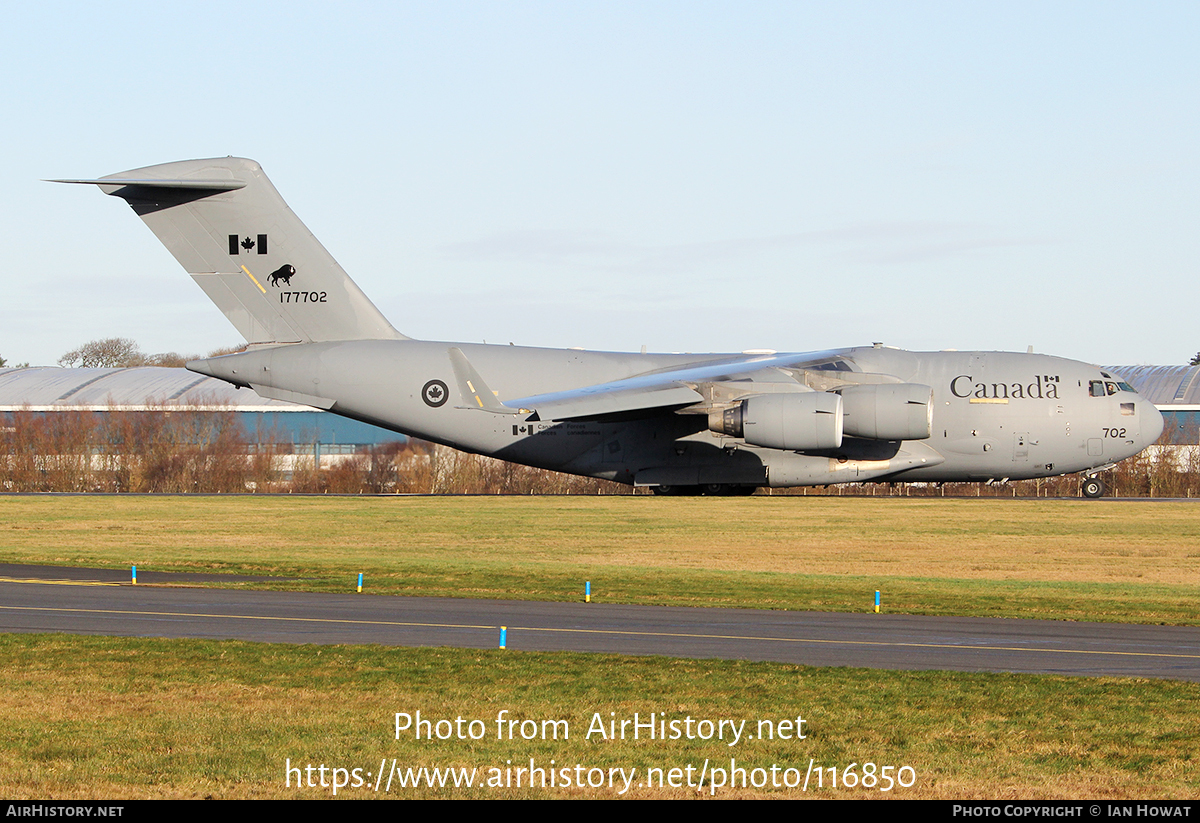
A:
229, 228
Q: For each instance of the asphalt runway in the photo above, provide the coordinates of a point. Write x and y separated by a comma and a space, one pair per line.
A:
102, 602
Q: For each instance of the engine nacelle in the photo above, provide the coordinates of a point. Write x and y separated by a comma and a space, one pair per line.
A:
795, 421
888, 411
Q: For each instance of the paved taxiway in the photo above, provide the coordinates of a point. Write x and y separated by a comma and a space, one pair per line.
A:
80, 601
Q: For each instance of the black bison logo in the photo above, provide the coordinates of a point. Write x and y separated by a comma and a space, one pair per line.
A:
282, 274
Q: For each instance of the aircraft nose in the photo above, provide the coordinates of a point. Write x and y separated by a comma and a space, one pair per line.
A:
1152, 424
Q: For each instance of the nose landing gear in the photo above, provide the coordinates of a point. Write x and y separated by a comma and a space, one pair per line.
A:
1092, 487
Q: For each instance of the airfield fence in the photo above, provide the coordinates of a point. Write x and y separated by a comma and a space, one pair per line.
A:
209, 452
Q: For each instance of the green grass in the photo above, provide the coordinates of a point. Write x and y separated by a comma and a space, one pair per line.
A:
126, 718
1073, 560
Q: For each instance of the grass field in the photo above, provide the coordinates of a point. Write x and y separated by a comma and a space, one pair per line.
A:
1057, 559
103, 717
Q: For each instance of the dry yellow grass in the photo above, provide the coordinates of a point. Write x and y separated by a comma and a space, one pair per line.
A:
981, 539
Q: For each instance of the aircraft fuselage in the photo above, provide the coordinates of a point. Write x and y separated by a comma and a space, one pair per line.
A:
995, 415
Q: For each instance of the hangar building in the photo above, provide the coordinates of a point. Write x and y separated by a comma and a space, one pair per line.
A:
49, 389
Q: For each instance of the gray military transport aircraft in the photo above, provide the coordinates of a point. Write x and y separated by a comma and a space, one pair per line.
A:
678, 423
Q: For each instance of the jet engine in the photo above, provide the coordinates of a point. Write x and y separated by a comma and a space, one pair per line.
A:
888, 411
798, 421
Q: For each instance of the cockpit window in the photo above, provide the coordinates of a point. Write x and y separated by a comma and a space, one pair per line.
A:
1112, 388
1123, 386
1097, 388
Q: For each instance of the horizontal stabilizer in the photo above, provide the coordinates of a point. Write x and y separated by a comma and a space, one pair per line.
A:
148, 182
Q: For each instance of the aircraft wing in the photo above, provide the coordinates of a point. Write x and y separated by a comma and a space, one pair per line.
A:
663, 389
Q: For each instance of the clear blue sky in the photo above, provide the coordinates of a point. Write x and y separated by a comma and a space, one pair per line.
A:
689, 176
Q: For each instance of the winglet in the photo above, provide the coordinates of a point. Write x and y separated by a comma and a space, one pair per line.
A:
475, 391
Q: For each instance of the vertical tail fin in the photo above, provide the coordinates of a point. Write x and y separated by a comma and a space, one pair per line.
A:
229, 228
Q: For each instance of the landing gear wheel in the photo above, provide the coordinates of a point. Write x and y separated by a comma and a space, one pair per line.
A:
1092, 487
713, 489
675, 491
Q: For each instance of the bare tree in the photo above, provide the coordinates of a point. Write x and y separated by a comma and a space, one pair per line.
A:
227, 350
110, 353
121, 353
169, 360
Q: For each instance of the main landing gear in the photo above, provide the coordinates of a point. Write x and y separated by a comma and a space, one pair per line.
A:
1092, 487
708, 489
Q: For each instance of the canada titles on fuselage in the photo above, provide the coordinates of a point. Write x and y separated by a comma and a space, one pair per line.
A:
1043, 387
